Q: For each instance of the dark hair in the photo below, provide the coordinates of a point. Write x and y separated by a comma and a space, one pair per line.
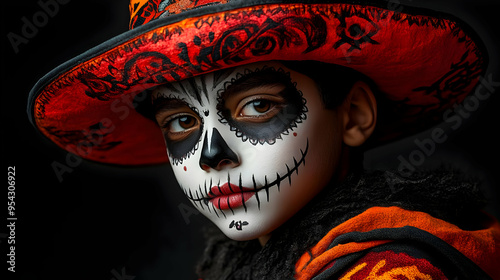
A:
334, 81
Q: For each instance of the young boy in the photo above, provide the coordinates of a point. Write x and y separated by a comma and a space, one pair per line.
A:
265, 108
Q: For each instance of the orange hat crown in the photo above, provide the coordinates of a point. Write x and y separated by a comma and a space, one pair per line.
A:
144, 11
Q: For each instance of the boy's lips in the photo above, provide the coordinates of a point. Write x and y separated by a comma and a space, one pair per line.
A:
229, 196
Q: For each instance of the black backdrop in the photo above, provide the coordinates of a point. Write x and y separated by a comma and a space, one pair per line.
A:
102, 222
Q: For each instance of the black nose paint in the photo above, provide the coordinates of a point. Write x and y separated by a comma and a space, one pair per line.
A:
217, 151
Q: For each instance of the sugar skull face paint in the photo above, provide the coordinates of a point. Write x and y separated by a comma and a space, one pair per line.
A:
249, 146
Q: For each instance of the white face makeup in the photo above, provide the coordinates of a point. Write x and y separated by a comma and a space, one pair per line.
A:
249, 146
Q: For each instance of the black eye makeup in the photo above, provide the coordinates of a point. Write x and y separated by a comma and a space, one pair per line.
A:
261, 106
258, 108
181, 125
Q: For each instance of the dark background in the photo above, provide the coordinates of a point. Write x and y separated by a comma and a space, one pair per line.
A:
103, 222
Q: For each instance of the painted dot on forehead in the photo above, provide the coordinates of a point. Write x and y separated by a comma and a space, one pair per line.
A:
295, 134
185, 168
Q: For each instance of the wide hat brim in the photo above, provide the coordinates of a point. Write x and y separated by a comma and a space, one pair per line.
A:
422, 61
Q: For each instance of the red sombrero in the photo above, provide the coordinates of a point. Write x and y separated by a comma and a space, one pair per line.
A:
422, 61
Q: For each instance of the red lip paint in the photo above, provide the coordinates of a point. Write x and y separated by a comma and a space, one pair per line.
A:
229, 196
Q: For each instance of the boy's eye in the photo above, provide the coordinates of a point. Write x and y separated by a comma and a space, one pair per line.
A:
181, 124
256, 108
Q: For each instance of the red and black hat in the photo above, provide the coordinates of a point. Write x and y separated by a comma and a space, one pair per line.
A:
423, 62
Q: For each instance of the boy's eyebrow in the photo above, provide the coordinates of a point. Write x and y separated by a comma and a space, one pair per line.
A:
263, 78
161, 104
267, 77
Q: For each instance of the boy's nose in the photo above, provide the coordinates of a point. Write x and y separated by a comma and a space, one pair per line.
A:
216, 154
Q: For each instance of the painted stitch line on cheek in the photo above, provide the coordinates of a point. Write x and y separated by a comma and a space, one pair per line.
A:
267, 189
223, 213
229, 205
200, 198
221, 210
204, 198
210, 186
219, 199
242, 197
206, 193
231, 190
256, 191
218, 186
278, 181
191, 195
288, 172
215, 211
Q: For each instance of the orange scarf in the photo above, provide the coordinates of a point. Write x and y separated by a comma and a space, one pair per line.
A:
481, 246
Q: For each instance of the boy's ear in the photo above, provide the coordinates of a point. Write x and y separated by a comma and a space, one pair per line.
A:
359, 114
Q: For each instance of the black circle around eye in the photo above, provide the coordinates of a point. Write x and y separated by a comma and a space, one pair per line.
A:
179, 149
289, 111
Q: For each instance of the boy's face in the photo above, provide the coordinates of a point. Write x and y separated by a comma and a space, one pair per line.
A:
249, 146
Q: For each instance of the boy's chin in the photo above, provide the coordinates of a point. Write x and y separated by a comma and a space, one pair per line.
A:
247, 228
244, 235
